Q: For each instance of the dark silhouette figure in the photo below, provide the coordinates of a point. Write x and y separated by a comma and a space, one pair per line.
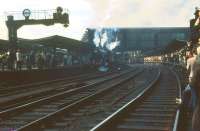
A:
195, 82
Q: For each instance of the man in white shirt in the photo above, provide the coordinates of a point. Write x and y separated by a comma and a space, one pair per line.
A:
190, 65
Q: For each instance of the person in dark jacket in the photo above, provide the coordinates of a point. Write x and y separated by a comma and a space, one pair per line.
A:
195, 82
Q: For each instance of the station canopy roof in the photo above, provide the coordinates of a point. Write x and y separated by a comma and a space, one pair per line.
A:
56, 42
51, 41
3, 44
173, 46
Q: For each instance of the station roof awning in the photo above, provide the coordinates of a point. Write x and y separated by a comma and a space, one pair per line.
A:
3, 41
51, 41
57, 42
174, 46
155, 52
3, 44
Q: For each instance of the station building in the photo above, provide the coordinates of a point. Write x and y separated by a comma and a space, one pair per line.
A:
150, 38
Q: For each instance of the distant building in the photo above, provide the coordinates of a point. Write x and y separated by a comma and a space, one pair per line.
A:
147, 38
151, 38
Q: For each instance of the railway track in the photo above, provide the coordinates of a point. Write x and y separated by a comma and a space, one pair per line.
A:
9, 91
155, 109
45, 89
20, 117
23, 100
90, 102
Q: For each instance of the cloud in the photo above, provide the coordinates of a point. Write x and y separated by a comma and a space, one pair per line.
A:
143, 13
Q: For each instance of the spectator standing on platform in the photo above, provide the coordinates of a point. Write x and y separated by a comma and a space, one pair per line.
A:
65, 60
48, 60
30, 60
19, 60
4, 60
40, 60
189, 94
186, 97
196, 118
190, 63
195, 29
195, 82
11, 59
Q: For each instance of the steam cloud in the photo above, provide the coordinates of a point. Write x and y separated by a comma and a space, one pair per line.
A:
106, 39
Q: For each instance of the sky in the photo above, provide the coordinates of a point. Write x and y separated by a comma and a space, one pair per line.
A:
101, 13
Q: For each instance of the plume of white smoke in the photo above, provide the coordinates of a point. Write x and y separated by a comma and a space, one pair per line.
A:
113, 45
106, 39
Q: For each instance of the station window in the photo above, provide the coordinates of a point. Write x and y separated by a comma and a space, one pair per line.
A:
179, 35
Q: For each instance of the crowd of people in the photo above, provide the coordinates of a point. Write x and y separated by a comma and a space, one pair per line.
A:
192, 101
191, 94
33, 59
